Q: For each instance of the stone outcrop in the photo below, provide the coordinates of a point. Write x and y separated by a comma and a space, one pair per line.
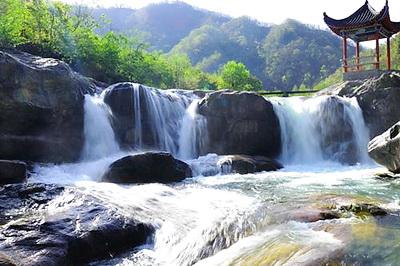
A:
12, 172
120, 99
338, 141
62, 227
385, 149
150, 167
41, 109
156, 110
378, 98
242, 164
240, 123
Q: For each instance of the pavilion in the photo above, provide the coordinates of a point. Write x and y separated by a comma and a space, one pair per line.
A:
365, 24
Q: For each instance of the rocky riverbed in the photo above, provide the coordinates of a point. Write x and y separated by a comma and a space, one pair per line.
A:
127, 174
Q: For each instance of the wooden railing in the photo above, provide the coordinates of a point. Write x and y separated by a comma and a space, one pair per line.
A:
361, 63
275, 93
285, 93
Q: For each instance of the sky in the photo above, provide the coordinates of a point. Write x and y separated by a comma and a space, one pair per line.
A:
269, 11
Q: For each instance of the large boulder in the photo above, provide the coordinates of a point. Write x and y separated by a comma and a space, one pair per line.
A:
121, 100
41, 109
385, 149
150, 167
144, 117
51, 225
378, 98
242, 164
12, 172
337, 138
240, 123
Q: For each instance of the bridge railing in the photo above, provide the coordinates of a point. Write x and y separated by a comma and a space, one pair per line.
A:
360, 63
286, 93
275, 93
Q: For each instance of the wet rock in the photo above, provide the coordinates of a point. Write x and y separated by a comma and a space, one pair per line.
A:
14, 199
313, 215
378, 98
12, 172
385, 149
240, 123
6, 261
51, 225
360, 208
302, 213
243, 164
387, 176
41, 109
150, 167
124, 99
121, 100
339, 142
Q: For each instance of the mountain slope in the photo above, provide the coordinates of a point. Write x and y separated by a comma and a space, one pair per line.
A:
282, 56
211, 46
297, 54
164, 24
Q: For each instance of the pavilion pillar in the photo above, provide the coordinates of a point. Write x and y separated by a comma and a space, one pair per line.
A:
389, 59
344, 55
377, 64
358, 56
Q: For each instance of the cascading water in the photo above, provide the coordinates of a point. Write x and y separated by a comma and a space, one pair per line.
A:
323, 128
193, 133
99, 135
168, 119
234, 219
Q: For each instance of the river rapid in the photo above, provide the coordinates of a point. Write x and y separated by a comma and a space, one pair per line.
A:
255, 219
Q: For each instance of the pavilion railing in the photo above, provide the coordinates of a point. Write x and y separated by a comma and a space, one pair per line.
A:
360, 64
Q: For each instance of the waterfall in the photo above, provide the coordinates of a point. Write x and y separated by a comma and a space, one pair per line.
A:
324, 128
162, 120
167, 120
193, 133
158, 116
99, 135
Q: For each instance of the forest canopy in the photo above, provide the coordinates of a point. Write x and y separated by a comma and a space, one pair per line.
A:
70, 33
116, 44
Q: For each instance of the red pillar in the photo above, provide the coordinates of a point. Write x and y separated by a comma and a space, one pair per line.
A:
377, 65
344, 56
389, 59
358, 56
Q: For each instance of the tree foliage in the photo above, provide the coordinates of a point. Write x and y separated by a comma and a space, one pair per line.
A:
54, 29
281, 56
296, 55
212, 45
236, 76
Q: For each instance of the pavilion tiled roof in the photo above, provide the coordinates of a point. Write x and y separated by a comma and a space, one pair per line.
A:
365, 16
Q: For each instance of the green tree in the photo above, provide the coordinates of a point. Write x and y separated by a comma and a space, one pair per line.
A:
12, 14
236, 76
55, 29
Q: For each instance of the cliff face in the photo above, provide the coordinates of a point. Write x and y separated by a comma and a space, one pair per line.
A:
379, 99
41, 109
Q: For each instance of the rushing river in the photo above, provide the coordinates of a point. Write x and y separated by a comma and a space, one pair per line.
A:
254, 219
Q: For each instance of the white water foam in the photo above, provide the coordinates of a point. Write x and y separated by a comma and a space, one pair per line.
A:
99, 135
193, 133
309, 126
164, 111
205, 216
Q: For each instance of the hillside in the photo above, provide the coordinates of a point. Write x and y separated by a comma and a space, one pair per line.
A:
211, 46
297, 54
163, 25
282, 56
